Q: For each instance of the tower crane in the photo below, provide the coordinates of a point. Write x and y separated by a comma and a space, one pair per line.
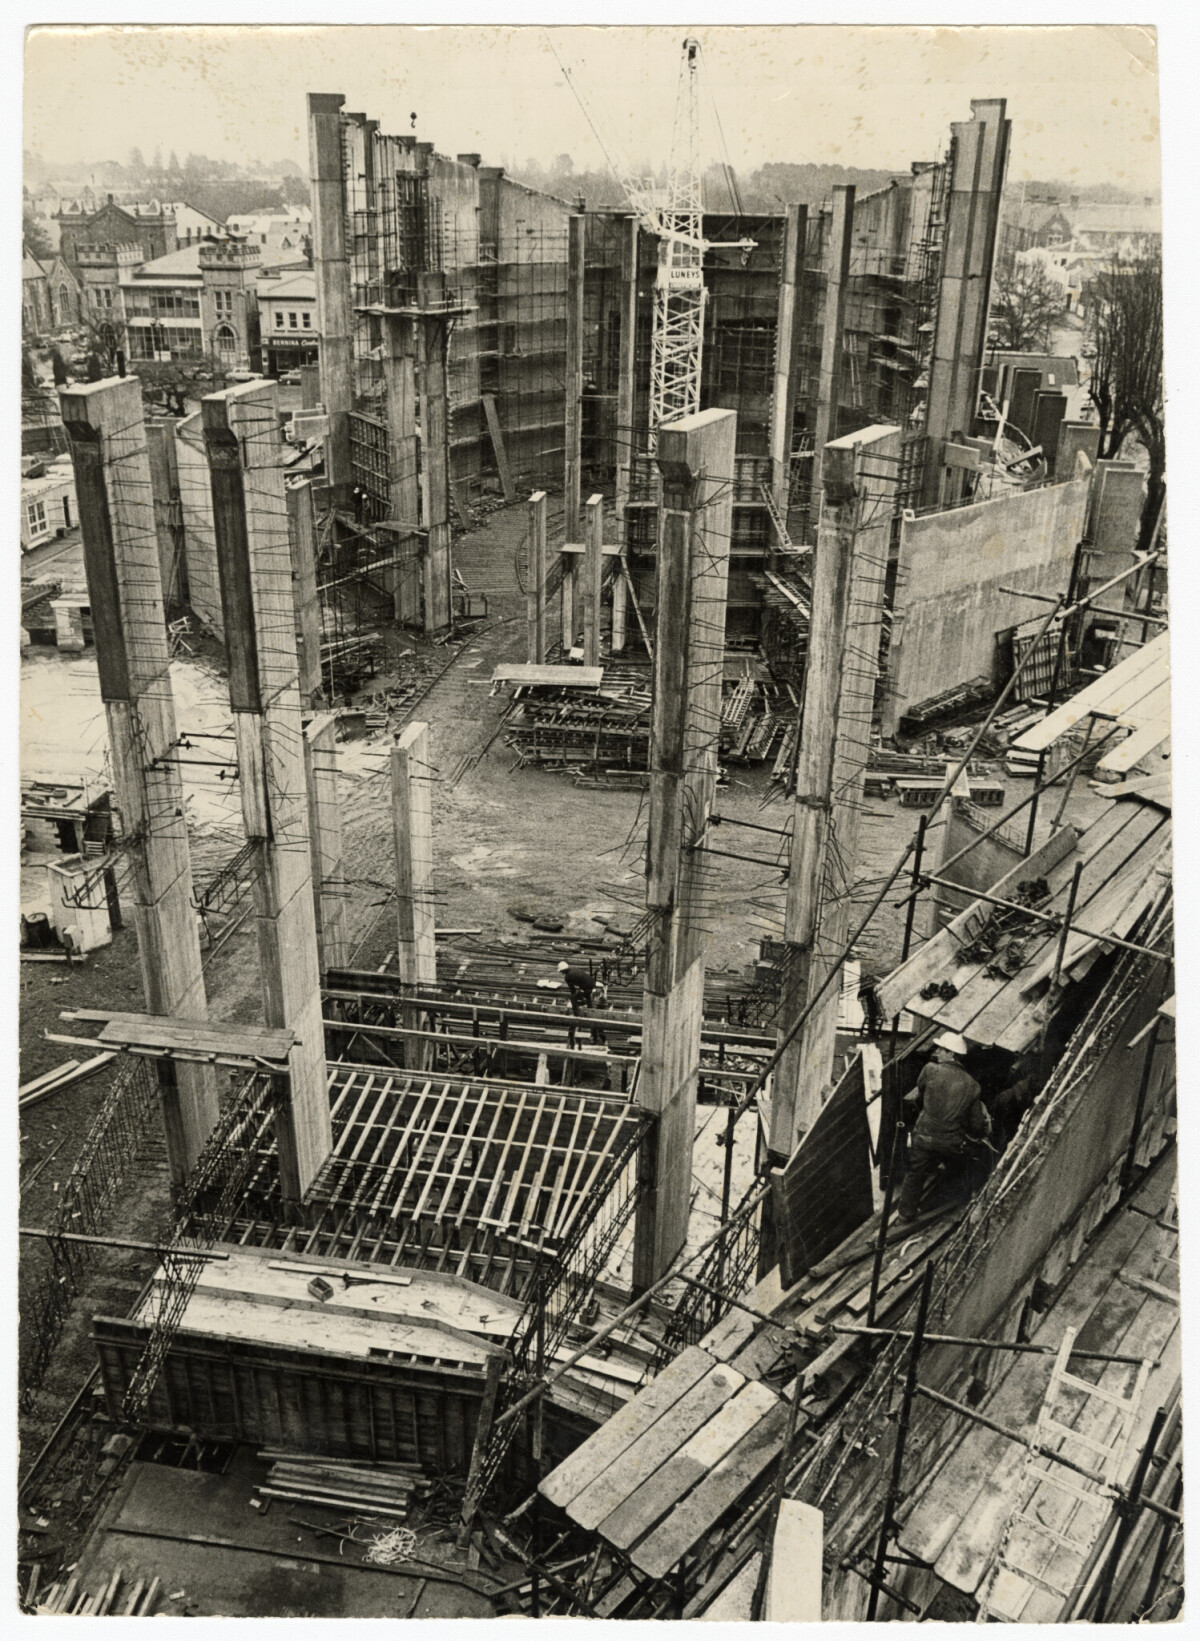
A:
677, 223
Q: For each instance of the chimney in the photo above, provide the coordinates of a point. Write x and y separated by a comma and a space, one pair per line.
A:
110, 199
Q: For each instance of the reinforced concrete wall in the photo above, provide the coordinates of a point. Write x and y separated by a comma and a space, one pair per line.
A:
199, 535
951, 566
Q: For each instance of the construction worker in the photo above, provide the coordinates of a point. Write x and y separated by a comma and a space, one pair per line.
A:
952, 1124
579, 983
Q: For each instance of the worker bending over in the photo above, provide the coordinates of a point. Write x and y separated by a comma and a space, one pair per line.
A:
586, 992
952, 1124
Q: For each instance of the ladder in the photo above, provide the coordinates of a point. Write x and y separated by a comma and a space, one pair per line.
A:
786, 544
1006, 1584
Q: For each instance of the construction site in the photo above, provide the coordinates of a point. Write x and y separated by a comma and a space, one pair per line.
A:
498, 856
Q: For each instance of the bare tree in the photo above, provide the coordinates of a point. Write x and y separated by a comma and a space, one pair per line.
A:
1026, 306
1123, 345
171, 383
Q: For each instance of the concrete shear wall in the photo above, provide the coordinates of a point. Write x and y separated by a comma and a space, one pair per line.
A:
948, 604
195, 500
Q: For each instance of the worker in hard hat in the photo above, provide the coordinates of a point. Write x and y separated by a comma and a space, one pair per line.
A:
952, 1125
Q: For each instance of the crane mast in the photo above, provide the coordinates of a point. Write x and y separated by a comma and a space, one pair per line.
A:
679, 295
677, 222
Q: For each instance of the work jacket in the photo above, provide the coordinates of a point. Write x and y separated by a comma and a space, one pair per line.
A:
952, 1115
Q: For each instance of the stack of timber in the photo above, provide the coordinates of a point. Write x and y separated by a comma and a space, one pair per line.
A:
581, 727
375, 1488
655, 1481
140, 1601
949, 705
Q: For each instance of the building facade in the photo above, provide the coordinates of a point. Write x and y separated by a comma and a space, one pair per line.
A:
287, 307
36, 313
48, 505
229, 318
149, 227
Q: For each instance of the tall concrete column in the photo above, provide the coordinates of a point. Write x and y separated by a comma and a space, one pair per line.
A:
859, 474
833, 333
399, 375
695, 459
535, 594
626, 366
412, 831
331, 264
567, 596
432, 338
325, 841
168, 514
787, 331
620, 596
242, 440
573, 473
593, 576
302, 540
120, 554
964, 288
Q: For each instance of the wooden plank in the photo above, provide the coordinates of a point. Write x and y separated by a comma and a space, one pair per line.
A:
1106, 1316
148, 1031
464, 1147
795, 1578
972, 1463
937, 955
412, 1127
530, 672
481, 1163
496, 433
615, 1437
1112, 689
688, 1466
655, 1446
451, 1124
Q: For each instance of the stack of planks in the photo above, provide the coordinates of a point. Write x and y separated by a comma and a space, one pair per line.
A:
72, 1071
139, 1602
655, 1480
377, 1488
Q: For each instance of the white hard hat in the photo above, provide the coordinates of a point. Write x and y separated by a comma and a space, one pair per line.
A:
563, 967
952, 1043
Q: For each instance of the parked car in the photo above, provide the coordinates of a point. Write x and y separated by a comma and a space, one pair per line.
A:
290, 378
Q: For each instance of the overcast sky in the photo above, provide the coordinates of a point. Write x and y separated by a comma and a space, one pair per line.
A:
1083, 99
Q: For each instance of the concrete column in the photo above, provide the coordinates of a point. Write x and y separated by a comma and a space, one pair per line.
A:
593, 574
331, 264
573, 477
695, 459
302, 540
787, 329
325, 841
120, 553
435, 467
626, 364
241, 435
535, 594
859, 475
968, 253
620, 596
168, 519
412, 830
399, 375
567, 632
833, 334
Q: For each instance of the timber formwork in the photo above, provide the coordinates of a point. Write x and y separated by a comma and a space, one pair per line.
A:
479, 1179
